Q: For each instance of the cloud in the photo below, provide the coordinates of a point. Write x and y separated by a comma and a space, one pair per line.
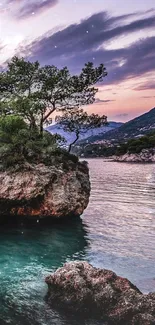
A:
35, 7
1, 46
139, 60
87, 40
100, 101
146, 97
22, 8
87, 37
107, 89
146, 86
121, 115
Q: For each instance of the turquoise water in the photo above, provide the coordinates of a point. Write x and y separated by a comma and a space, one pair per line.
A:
26, 257
117, 231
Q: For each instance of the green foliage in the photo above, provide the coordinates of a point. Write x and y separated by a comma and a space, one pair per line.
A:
10, 126
94, 150
12, 129
137, 145
19, 144
29, 94
63, 156
102, 150
35, 92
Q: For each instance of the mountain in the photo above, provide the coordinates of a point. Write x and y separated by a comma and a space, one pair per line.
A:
56, 128
135, 128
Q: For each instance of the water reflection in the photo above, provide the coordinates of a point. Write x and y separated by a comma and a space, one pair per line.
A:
117, 232
27, 255
121, 218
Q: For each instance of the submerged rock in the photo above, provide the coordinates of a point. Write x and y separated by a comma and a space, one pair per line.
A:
80, 286
39, 190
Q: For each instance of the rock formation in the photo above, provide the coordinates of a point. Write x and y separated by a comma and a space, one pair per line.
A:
146, 155
80, 286
39, 190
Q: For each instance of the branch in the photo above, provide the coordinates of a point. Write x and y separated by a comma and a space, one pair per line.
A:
49, 113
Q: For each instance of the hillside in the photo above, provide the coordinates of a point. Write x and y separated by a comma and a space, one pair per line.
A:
134, 128
137, 145
56, 128
143, 146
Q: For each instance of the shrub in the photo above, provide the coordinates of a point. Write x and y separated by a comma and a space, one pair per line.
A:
18, 144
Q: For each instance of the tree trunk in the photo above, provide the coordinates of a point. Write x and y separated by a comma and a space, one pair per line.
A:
33, 123
71, 144
41, 130
41, 126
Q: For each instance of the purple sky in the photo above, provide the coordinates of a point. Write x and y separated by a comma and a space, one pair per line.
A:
120, 34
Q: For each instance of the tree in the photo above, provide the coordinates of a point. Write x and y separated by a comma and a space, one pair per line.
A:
79, 122
35, 93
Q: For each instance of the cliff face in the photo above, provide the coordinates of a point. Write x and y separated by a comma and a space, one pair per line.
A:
146, 155
42, 191
80, 286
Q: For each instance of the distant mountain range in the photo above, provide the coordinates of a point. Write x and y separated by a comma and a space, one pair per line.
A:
56, 128
114, 132
134, 128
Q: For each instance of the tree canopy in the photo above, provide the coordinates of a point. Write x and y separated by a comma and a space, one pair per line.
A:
30, 94
35, 92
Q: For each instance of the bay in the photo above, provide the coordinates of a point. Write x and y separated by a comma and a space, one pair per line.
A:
116, 231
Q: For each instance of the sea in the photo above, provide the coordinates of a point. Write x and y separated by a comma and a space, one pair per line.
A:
116, 232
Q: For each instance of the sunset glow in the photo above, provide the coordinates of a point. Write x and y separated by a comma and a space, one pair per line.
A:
119, 34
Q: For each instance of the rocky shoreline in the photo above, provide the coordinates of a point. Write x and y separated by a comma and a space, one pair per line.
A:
80, 286
145, 156
45, 191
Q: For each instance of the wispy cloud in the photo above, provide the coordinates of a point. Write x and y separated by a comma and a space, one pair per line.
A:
86, 41
146, 97
121, 115
146, 86
100, 101
22, 8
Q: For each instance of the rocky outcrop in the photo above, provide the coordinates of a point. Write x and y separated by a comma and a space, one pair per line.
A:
80, 286
43, 191
145, 156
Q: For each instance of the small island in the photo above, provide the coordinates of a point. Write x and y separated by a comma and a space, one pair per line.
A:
38, 174
42, 178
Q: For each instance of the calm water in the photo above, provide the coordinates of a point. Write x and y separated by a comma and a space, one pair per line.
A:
117, 231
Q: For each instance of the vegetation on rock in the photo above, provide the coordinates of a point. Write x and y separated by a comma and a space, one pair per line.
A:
19, 143
29, 95
137, 145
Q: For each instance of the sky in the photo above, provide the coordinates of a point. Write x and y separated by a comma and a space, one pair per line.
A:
120, 34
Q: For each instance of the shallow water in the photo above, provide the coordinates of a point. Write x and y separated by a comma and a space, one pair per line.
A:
117, 231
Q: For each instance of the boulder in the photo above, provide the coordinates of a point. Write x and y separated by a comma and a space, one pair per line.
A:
80, 286
45, 191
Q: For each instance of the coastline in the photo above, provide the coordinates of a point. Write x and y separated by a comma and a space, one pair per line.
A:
146, 156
